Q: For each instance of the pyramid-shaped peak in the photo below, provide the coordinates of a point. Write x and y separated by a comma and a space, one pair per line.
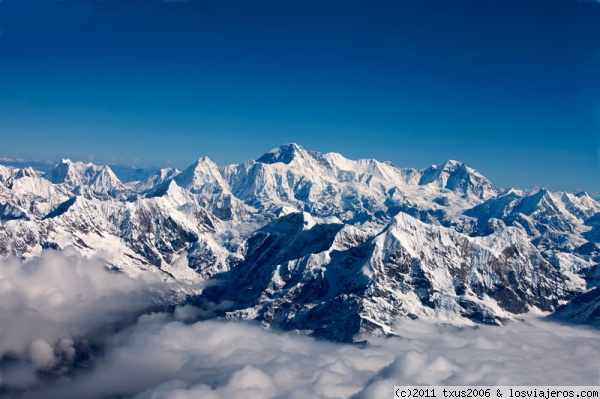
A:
290, 147
167, 188
542, 192
513, 192
285, 154
105, 170
204, 159
458, 177
203, 166
536, 198
452, 167
102, 179
452, 164
203, 171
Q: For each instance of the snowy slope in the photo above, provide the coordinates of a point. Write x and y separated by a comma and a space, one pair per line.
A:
296, 276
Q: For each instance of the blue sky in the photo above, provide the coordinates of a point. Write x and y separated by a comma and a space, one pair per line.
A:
510, 87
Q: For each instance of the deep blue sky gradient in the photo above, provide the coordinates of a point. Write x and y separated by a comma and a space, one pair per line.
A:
512, 88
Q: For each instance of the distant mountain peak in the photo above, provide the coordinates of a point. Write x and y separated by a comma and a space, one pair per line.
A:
204, 159
62, 172
543, 191
203, 171
25, 172
452, 164
156, 179
457, 176
86, 178
285, 154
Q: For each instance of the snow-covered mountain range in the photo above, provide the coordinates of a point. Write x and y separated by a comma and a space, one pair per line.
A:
320, 243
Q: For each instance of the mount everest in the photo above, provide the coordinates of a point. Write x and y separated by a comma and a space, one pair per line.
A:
319, 243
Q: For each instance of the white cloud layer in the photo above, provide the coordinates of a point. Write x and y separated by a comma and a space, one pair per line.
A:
160, 358
48, 303
48, 306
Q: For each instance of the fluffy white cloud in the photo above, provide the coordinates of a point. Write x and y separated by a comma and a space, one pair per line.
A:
41, 354
47, 303
160, 358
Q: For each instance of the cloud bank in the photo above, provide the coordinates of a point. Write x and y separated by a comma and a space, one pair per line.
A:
160, 357
52, 304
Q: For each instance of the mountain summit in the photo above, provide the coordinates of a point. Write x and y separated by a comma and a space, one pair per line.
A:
86, 178
458, 177
285, 154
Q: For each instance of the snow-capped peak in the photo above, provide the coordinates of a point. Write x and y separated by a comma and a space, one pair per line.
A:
156, 179
201, 173
71, 173
285, 154
25, 172
452, 164
456, 176
86, 178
